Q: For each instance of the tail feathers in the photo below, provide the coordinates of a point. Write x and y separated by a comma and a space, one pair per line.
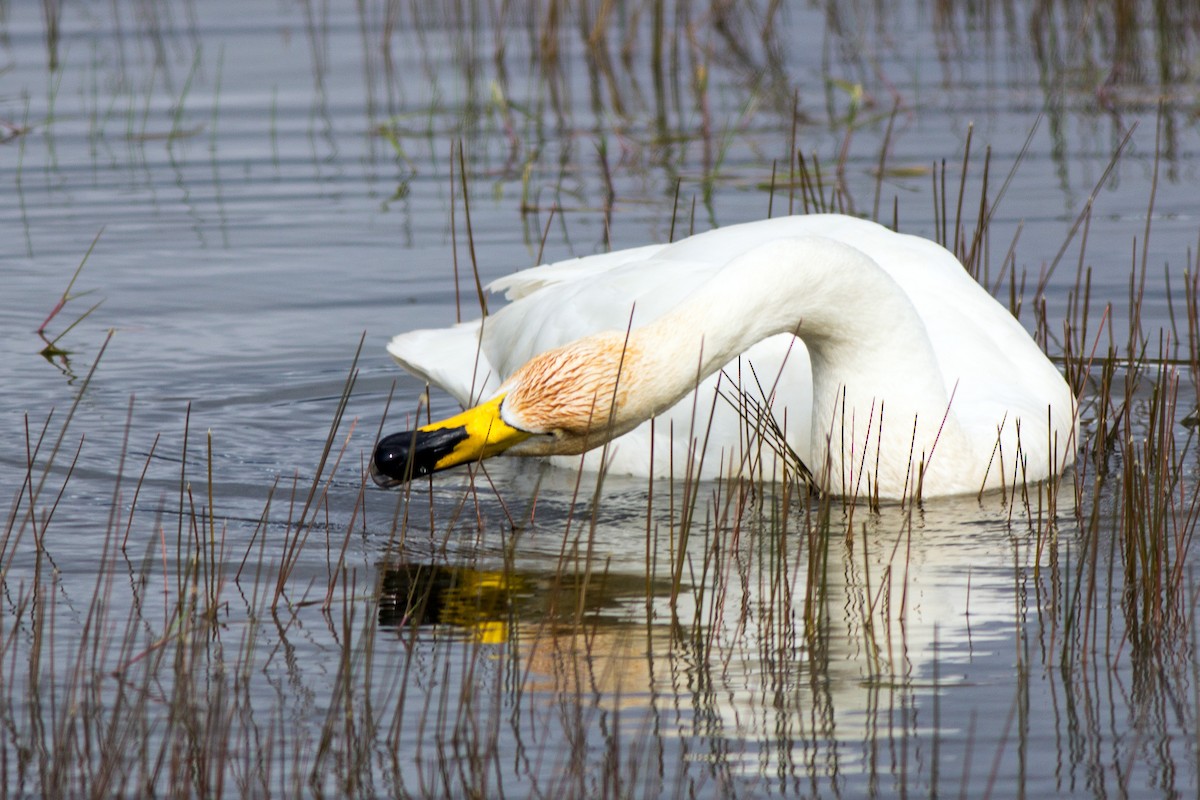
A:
448, 358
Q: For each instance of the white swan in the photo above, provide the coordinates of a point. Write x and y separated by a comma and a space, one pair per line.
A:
910, 378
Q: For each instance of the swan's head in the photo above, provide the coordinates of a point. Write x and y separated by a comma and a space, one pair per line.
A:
562, 402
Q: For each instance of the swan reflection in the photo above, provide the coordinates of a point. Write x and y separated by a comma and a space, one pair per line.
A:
778, 646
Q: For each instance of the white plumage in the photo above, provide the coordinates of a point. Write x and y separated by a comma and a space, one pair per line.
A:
885, 321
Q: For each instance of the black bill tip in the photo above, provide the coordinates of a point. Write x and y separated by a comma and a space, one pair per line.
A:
401, 457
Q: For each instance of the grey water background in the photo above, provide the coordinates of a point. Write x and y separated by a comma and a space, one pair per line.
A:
268, 182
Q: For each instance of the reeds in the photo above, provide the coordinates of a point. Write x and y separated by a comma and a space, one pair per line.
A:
717, 665
507, 636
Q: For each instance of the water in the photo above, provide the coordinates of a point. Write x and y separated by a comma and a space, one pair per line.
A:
266, 184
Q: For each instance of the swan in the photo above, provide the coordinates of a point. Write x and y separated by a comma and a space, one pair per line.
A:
885, 367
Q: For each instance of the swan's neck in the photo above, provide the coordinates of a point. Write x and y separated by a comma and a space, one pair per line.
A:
864, 338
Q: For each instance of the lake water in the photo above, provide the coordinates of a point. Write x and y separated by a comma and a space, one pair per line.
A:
266, 184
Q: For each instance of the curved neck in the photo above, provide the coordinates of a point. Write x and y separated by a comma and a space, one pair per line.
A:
863, 335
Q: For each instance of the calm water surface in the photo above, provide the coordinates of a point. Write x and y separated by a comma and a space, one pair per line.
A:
268, 183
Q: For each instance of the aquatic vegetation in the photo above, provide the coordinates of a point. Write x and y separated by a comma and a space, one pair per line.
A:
203, 595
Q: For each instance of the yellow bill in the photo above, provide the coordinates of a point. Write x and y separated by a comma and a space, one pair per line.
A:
475, 434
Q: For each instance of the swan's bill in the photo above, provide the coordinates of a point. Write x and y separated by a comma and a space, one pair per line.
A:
476, 433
